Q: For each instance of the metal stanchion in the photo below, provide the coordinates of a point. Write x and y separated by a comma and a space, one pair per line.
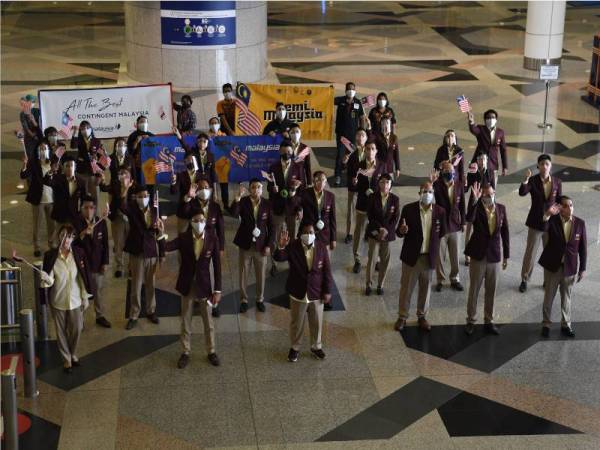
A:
41, 308
28, 348
9, 406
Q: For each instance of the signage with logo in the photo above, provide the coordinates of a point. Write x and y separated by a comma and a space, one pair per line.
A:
209, 25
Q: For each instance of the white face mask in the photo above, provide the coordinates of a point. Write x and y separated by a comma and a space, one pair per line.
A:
488, 200
228, 95
198, 227
44, 153
215, 127
281, 114
427, 198
295, 136
53, 140
204, 194
143, 202
308, 239
87, 132
382, 103
350, 93
143, 127
490, 123
121, 150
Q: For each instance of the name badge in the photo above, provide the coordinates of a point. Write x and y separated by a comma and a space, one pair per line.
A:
328, 208
392, 208
264, 216
356, 106
577, 236
208, 253
213, 221
320, 265
100, 235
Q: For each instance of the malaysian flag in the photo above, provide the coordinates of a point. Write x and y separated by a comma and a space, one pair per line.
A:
104, 160
303, 154
463, 103
368, 101
247, 121
95, 167
165, 161
60, 151
367, 172
67, 123
267, 176
346, 143
237, 155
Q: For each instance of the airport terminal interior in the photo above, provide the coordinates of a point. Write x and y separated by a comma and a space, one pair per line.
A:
377, 387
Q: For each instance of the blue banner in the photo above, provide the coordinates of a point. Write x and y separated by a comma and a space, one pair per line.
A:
237, 158
198, 24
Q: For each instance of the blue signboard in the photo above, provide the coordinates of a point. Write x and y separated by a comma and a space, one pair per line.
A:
197, 24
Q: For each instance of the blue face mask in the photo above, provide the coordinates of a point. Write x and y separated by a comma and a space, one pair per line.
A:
448, 176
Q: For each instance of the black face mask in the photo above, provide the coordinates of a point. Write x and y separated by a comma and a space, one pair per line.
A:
186, 105
284, 156
190, 165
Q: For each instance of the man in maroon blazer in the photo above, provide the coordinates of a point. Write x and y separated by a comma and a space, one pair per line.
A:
351, 162
545, 191
297, 147
449, 194
255, 237
146, 251
490, 140
567, 241
488, 245
181, 182
67, 190
383, 214
388, 151
92, 238
309, 286
422, 225
199, 249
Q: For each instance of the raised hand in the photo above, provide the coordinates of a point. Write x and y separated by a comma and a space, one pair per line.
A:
476, 190
527, 176
242, 192
403, 227
434, 175
553, 210
193, 189
284, 238
470, 116
176, 132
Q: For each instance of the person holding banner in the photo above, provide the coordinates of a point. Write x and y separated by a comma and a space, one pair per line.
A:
88, 148
133, 144
388, 152
57, 148
490, 140
39, 195
366, 180
352, 159
92, 238
205, 160
280, 124
146, 251
350, 115
186, 118
119, 159
226, 110
301, 154
381, 111
255, 237
450, 151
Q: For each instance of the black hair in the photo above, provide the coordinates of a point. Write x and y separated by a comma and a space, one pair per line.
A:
88, 198
382, 94
278, 104
183, 97
544, 157
254, 180
85, 122
202, 135
285, 143
140, 118
67, 158
350, 83
490, 111
140, 188
227, 85
318, 173
49, 130
385, 176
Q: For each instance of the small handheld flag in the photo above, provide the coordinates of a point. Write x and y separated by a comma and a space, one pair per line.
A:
346, 143
463, 103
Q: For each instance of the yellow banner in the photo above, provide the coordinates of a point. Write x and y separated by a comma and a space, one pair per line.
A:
311, 107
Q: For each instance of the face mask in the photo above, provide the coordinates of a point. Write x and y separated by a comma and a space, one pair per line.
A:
295, 136
189, 165
186, 105
143, 127
204, 194
350, 93
488, 200
122, 178
87, 132
427, 198
53, 140
308, 239
143, 202
451, 140
215, 127
198, 227
382, 102
228, 95
281, 114
121, 150
490, 123
448, 176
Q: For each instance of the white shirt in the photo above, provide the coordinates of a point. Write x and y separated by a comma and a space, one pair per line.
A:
68, 288
72, 182
493, 136
426, 215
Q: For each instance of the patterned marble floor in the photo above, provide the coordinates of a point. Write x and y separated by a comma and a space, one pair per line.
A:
377, 388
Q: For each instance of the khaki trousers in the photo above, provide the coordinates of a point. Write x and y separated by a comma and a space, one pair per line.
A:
260, 265
554, 281
187, 311
421, 273
381, 249
299, 310
120, 229
478, 272
448, 247
99, 306
69, 324
358, 236
45, 210
531, 249
142, 272
351, 211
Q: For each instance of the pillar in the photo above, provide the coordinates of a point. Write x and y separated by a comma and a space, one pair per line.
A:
544, 33
148, 61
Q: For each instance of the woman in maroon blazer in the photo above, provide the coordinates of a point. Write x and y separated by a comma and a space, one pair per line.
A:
88, 147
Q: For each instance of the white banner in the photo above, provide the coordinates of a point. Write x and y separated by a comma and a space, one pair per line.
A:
111, 111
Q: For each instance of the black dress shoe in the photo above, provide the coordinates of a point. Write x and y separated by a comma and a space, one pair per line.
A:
438, 287
377, 266
356, 268
318, 353
545, 332
567, 331
379, 290
68, 369
368, 290
131, 323
348, 239
37, 253
183, 361
457, 286
523, 286
75, 363
154, 318
491, 328
261, 306
327, 306
293, 355
469, 328
214, 359
103, 322
118, 274
216, 312
273, 270
243, 307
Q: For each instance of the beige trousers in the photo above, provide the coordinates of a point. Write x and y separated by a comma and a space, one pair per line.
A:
448, 247
142, 272
69, 324
299, 311
120, 229
187, 311
421, 273
554, 281
381, 249
531, 249
358, 236
99, 306
45, 210
351, 211
260, 265
478, 272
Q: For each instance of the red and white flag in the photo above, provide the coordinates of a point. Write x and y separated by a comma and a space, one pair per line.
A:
104, 159
267, 176
60, 151
247, 121
96, 168
346, 143
367, 172
368, 101
239, 157
463, 103
303, 154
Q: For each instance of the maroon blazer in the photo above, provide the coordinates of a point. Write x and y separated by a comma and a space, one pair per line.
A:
364, 184
558, 248
66, 206
85, 154
243, 236
305, 164
183, 182
484, 144
80, 261
388, 153
411, 248
280, 204
194, 274
444, 155
352, 169
455, 214
307, 203
95, 246
314, 282
141, 239
539, 203
33, 173
380, 218
483, 244
187, 210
